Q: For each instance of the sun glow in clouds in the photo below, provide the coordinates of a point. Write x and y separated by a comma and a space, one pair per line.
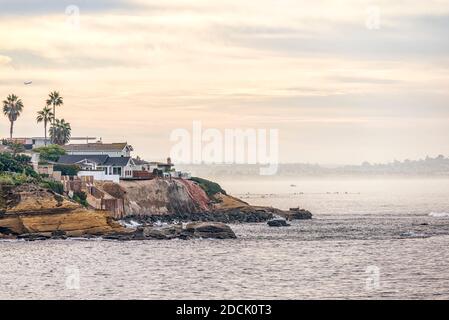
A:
342, 75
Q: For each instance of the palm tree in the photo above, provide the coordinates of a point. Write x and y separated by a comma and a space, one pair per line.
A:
12, 108
45, 116
60, 132
54, 100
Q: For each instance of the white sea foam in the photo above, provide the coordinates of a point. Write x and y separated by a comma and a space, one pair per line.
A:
411, 234
439, 214
130, 224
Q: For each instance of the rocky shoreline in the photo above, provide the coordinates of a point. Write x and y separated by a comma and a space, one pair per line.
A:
31, 212
193, 230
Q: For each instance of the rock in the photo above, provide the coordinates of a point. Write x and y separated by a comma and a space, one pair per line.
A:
213, 230
154, 233
35, 236
193, 230
278, 223
296, 214
59, 234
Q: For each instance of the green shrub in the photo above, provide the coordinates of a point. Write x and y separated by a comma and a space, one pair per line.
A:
55, 186
6, 179
81, 198
211, 188
13, 178
67, 169
50, 153
14, 163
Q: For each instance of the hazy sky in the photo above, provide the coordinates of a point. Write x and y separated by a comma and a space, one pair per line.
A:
338, 89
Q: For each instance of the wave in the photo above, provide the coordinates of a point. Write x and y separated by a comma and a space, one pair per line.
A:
439, 214
411, 234
130, 224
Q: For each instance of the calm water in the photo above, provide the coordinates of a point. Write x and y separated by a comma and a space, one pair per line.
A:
368, 239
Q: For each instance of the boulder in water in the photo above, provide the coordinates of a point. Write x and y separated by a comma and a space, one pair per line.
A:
278, 223
213, 230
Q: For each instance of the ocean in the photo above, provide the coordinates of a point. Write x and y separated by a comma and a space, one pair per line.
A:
370, 238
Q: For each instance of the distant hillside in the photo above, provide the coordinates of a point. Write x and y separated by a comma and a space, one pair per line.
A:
438, 166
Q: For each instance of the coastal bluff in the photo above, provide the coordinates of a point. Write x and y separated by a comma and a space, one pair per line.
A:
169, 200
32, 212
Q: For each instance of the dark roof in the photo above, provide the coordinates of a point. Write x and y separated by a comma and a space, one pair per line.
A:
105, 147
99, 159
72, 159
117, 161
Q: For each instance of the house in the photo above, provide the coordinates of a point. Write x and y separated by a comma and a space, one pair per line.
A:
27, 143
112, 161
162, 166
40, 142
111, 166
152, 166
122, 149
31, 142
36, 142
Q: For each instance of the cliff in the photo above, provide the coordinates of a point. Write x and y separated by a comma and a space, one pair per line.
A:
186, 200
29, 211
158, 196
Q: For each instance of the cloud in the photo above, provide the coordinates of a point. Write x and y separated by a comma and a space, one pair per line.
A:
4, 60
47, 7
278, 63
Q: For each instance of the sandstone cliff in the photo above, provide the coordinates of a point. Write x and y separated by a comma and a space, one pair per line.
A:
30, 211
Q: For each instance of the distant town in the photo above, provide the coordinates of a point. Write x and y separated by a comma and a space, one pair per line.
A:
429, 166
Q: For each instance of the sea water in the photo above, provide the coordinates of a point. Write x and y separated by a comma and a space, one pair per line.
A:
369, 238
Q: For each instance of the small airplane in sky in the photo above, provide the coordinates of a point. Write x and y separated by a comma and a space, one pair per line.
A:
28, 82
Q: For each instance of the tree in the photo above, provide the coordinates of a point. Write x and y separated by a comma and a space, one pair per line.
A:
12, 108
54, 100
45, 116
60, 132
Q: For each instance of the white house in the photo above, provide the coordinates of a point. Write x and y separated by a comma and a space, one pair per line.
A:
120, 166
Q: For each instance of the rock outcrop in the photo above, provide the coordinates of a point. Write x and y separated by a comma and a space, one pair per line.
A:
214, 230
195, 230
296, 214
184, 200
278, 223
31, 212
158, 197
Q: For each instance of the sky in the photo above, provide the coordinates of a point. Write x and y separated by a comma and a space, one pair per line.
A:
342, 81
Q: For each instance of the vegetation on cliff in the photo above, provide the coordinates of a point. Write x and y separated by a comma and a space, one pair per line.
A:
211, 188
16, 163
16, 170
